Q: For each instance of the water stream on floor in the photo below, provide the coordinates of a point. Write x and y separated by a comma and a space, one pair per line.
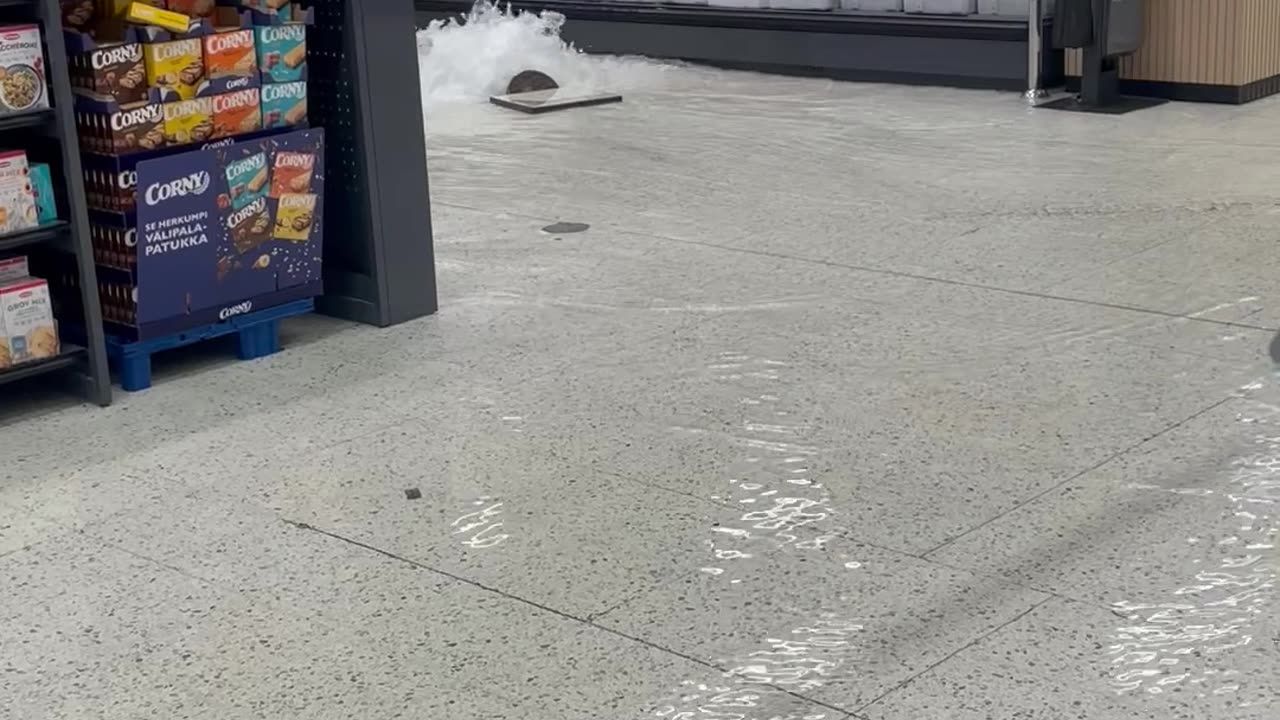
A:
1192, 643
784, 508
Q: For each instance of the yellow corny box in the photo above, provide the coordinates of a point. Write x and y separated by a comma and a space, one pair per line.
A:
176, 65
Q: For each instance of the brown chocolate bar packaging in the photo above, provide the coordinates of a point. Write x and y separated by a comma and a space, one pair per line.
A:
131, 128
117, 71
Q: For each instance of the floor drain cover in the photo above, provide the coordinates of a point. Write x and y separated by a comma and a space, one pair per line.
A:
562, 228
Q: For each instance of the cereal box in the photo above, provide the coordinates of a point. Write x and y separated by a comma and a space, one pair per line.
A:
282, 52
22, 72
284, 104
14, 268
230, 55
236, 112
42, 190
177, 65
249, 179
17, 203
117, 71
188, 121
291, 173
27, 329
128, 128
294, 216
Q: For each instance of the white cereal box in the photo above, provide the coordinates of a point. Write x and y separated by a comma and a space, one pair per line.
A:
22, 71
17, 201
27, 330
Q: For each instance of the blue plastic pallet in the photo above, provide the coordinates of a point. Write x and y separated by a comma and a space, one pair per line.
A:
258, 336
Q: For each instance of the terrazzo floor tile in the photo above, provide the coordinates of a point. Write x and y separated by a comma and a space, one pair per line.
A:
515, 512
1075, 662
839, 622
1186, 518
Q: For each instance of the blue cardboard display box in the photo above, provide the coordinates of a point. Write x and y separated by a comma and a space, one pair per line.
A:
193, 234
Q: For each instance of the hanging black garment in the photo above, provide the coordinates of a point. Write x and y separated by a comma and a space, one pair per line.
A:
1072, 23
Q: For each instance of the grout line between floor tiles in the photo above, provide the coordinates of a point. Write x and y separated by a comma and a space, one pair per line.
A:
548, 609
915, 276
153, 561
953, 654
1105, 461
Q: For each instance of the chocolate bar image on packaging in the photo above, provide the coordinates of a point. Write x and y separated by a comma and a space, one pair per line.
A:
295, 215
250, 226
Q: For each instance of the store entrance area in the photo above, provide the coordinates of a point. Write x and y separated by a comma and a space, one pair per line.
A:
850, 402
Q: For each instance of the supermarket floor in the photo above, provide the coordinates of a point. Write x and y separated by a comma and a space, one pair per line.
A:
853, 401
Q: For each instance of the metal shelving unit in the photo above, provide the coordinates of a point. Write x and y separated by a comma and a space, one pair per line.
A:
71, 233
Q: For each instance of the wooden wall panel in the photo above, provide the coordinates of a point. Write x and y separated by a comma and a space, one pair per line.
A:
1190, 41
1258, 25
1204, 42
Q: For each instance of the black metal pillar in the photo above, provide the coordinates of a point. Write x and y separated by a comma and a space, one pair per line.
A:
379, 262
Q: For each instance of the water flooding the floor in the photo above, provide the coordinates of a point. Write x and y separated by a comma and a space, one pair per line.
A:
1189, 641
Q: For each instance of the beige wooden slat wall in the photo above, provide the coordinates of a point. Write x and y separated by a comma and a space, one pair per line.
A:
1209, 42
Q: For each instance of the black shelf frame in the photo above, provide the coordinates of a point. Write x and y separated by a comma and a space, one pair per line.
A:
71, 233
379, 257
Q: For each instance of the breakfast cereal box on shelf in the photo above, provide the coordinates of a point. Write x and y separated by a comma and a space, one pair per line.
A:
14, 268
27, 328
17, 203
22, 71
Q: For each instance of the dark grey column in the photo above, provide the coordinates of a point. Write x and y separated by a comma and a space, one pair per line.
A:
379, 263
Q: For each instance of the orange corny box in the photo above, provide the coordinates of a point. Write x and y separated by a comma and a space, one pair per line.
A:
230, 54
236, 112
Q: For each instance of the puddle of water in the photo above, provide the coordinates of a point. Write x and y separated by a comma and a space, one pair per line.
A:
1190, 642
783, 508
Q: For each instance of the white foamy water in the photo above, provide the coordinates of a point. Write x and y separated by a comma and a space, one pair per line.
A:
464, 61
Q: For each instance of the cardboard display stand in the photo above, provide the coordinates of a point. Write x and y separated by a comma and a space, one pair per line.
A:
209, 233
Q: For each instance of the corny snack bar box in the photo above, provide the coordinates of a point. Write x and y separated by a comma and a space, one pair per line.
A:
282, 52
117, 71
176, 66
284, 104
111, 181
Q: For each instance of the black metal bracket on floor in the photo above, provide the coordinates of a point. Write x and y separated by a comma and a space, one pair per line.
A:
1112, 38
961, 51
379, 259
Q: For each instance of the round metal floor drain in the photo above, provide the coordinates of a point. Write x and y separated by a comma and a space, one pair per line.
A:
562, 228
